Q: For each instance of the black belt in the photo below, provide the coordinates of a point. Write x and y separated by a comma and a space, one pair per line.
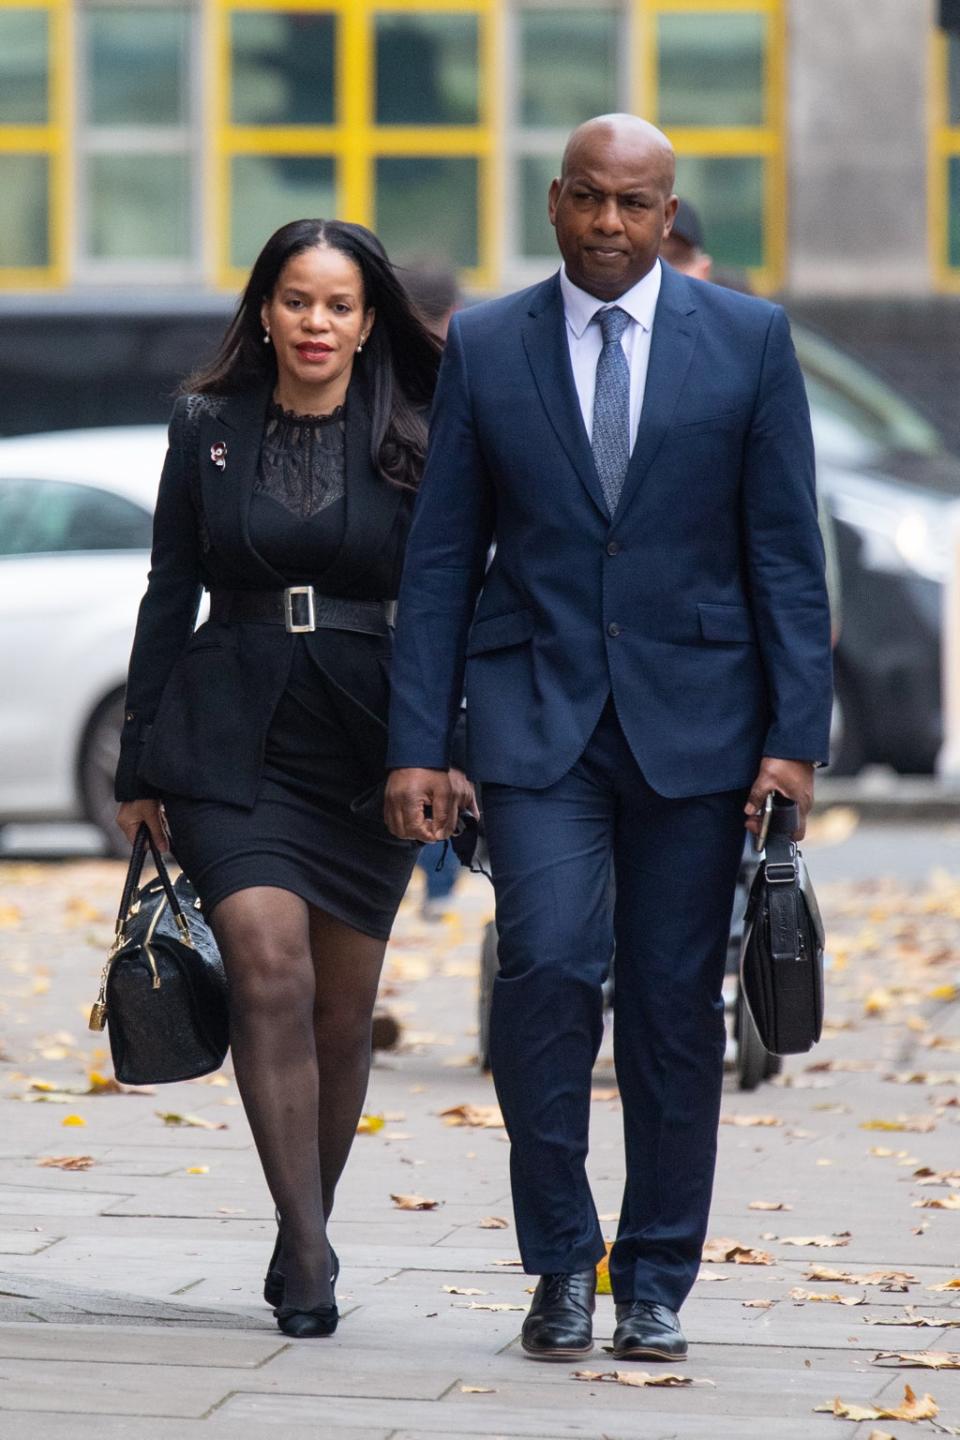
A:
300, 609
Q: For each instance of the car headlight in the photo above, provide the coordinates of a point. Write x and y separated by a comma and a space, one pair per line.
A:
900, 533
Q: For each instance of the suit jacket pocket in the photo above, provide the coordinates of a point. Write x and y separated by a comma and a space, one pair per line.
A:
730, 623
496, 632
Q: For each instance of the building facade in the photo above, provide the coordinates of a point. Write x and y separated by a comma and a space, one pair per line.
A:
154, 144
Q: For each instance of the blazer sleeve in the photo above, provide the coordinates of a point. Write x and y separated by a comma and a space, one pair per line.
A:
442, 576
168, 610
785, 557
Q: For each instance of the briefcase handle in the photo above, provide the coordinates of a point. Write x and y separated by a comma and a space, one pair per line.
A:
779, 818
143, 841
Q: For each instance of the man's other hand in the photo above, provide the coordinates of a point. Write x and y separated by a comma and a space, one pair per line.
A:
793, 778
420, 805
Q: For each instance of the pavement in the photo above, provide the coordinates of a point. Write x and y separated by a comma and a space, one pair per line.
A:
130, 1289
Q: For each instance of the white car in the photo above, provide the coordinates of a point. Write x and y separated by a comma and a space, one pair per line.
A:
76, 513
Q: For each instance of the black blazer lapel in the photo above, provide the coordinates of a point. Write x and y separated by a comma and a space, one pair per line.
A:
234, 436
545, 341
675, 328
371, 502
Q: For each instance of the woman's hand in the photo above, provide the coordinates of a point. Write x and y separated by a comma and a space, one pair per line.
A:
134, 813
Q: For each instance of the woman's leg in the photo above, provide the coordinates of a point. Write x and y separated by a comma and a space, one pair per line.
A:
264, 937
347, 968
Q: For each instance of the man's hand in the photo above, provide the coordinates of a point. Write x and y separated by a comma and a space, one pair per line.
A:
411, 792
793, 778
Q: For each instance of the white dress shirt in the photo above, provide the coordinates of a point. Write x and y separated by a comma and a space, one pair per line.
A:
585, 339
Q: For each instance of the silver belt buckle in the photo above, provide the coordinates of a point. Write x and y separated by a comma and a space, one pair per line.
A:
311, 623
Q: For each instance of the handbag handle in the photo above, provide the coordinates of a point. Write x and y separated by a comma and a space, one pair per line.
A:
144, 841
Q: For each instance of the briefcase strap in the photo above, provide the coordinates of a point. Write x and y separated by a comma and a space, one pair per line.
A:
782, 872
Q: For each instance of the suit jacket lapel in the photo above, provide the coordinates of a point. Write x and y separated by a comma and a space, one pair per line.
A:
371, 503
234, 435
545, 341
672, 344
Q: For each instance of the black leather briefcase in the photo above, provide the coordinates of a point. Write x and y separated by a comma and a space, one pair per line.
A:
781, 958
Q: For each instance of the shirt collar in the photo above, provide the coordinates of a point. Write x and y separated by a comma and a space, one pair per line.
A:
640, 301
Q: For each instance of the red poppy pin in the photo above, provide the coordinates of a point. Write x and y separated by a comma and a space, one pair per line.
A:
218, 454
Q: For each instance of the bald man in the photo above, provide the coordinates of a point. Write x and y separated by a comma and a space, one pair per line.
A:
647, 657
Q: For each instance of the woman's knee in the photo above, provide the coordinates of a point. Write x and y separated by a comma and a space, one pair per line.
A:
272, 976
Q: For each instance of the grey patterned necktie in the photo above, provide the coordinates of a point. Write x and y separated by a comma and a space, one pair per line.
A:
611, 407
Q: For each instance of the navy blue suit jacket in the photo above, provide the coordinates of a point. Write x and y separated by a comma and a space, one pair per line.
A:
700, 604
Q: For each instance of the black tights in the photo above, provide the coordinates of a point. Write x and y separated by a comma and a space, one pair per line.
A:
302, 990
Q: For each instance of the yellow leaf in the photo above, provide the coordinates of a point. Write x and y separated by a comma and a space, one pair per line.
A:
603, 1271
104, 1084
916, 1124
73, 1120
370, 1124
198, 1169
414, 1202
10, 917
484, 1117
911, 1409
953, 1284
196, 1122
878, 1002
44, 1085
944, 992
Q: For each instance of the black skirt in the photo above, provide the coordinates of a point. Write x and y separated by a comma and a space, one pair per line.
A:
301, 834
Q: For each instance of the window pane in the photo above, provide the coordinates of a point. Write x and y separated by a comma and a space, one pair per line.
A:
137, 67
711, 69
139, 207
23, 67
426, 69
537, 235
953, 54
24, 214
954, 215
269, 190
282, 68
729, 196
46, 516
568, 66
427, 203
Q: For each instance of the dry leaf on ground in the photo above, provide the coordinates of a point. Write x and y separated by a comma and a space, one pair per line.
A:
926, 1176
493, 1222
892, 1280
483, 1117
938, 1202
640, 1378
953, 1284
921, 1359
196, 1122
463, 1290
497, 1306
719, 1251
915, 1124
605, 1092
750, 1121
757, 1304
769, 1205
925, 1408
414, 1202
370, 1124
830, 1297
823, 1242
476, 1390
73, 1120
67, 1162
912, 1316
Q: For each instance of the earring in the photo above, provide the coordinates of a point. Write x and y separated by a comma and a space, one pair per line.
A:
360, 347
266, 336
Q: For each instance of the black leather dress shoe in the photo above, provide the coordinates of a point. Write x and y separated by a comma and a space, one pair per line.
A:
559, 1324
647, 1330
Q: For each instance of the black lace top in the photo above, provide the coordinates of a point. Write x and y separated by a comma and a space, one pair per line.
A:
302, 468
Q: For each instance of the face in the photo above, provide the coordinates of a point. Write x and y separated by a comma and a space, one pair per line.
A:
686, 259
611, 211
316, 318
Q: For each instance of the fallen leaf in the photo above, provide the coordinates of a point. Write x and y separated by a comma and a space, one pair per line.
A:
757, 1304
638, 1378
370, 1124
476, 1390
497, 1306
938, 1202
705, 1275
198, 1169
768, 1205
484, 1117
462, 1290
912, 1316
509, 1262
916, 1124
883, 1278
493, 1222
912, 1409
953, 1284
195, 1122
831, 1298
414, 1202
823, 1242
749, 1121
881, 1435
73, 1120
10, 917
67, 1162
604, 1286
921, 1359
718, 1252
926, 1176
609, 1092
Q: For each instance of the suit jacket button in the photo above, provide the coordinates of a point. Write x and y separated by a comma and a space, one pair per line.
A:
613, 629
613, 547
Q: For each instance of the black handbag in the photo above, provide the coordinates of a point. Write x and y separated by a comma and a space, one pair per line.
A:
781, 957
163, 991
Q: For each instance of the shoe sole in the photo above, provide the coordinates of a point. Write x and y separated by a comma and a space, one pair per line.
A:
557, 1354
648, 1352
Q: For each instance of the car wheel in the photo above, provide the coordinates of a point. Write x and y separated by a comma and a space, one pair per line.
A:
98, 763
848, 750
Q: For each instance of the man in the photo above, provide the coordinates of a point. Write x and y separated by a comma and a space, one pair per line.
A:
684, 247
649, 658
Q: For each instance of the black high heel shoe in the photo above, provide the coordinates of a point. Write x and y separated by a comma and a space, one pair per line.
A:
274, 1280
319, 1322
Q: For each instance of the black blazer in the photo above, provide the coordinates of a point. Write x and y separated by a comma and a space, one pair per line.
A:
199, 702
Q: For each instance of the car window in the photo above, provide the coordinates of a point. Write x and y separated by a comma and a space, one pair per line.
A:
42, 517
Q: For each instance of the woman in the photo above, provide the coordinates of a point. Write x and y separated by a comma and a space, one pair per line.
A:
287, 492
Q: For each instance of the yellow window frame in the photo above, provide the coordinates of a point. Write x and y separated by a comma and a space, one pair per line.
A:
766, 142
943, 146
354, 141
51, 142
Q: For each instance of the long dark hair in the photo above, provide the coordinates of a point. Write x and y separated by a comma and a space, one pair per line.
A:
399, 361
